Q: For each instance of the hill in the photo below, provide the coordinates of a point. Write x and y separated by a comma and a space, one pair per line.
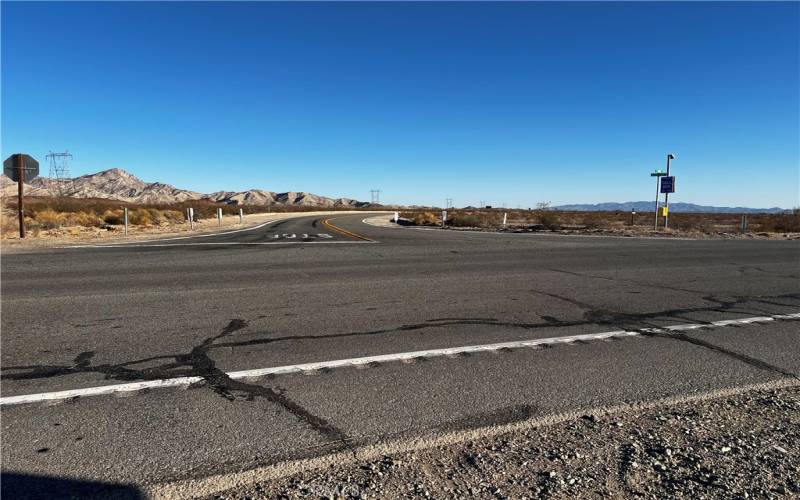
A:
117, 184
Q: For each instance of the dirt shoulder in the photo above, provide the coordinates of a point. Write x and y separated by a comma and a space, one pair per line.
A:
93, 235
735, 446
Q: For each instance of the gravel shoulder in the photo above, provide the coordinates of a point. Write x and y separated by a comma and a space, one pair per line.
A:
735, 446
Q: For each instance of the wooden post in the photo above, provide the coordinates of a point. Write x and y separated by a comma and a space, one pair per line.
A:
21, 174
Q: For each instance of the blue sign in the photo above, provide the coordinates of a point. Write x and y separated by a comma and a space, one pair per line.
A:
668, 184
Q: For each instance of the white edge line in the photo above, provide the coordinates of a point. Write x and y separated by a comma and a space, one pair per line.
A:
430, 353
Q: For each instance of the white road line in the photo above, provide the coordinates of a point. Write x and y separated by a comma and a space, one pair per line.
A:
384, 358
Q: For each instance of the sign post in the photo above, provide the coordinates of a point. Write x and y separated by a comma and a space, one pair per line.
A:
20, 168
657, 174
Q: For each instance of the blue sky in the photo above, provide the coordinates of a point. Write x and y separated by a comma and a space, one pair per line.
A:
507, 103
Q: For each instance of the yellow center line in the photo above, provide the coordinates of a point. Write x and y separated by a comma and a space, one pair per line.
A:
327, 223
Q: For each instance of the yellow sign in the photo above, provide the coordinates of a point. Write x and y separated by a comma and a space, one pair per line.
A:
663, 211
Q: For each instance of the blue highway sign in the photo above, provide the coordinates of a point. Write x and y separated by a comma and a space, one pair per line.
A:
668, 184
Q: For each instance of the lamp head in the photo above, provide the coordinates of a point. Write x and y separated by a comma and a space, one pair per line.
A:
671, 156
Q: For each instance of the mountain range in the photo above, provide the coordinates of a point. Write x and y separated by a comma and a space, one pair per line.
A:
646, 206
117, 184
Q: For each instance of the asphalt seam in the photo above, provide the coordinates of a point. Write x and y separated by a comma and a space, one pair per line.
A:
674, 331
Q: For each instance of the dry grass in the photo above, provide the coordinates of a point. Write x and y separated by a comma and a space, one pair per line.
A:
615, 221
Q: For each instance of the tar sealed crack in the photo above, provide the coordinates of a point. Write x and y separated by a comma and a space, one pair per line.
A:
196, 363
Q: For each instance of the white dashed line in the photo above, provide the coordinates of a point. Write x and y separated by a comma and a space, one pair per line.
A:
384, 358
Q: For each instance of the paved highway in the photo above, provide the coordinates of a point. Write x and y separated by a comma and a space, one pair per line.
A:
290, 340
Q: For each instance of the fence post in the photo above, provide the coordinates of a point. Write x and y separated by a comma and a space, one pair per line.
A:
125, 209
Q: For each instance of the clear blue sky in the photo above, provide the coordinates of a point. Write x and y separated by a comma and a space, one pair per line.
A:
507, 103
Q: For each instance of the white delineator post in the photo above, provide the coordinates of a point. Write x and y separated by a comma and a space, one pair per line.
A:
444, 217
396, 217
191, 218
219, 216
125, 209
505, 218
241, 216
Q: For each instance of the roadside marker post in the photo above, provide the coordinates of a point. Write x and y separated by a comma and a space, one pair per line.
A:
241, 216
125, 210
444, 217
396, 217
505, 218
20, 168
219, 217
633, 214
191, 218
744, 223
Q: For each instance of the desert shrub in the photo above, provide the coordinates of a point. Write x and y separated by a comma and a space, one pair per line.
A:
549, 220
8, 222
48, 219
465, 220
86, 219
114, 217
139, 217
422, 218
173, 216
781, 223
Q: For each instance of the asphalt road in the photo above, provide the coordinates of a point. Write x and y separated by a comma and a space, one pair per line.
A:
204, 307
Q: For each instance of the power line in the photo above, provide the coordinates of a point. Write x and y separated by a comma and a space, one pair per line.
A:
375, 195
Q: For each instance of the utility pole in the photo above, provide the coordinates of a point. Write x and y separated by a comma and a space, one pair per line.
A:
21, 174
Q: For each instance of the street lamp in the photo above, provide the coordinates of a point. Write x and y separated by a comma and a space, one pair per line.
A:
670, 156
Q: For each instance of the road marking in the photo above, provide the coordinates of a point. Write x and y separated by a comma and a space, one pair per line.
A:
383, 358
327, 223
231, 243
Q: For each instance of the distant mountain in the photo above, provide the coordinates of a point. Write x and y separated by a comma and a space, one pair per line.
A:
644, 206
117, 184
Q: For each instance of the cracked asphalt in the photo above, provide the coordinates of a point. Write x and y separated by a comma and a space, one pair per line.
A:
85, 317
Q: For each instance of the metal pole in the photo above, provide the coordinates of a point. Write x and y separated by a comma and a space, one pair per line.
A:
126, 220
666, 198
20, 173
655, 226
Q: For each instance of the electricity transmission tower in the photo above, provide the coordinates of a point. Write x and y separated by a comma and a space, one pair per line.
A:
375, 195
60, 181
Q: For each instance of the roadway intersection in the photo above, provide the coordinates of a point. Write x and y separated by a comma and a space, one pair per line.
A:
200, 309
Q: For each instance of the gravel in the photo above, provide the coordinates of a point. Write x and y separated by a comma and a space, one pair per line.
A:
743, 446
